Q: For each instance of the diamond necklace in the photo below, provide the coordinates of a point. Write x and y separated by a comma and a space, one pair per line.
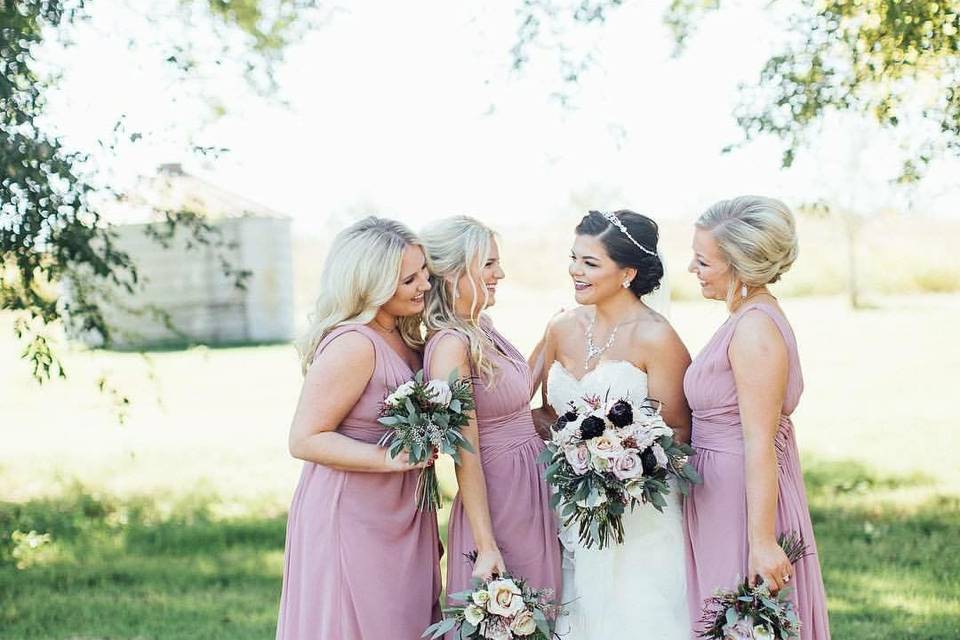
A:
593, 351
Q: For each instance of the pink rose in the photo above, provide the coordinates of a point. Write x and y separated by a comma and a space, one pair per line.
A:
627, 466
579, 458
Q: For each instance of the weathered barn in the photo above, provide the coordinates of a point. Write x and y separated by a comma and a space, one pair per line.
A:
186, 296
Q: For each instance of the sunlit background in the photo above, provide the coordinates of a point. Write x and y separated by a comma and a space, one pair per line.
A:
144, 495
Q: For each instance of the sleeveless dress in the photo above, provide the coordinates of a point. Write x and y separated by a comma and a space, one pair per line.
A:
361, 561
716, 511
524, 525
636, 589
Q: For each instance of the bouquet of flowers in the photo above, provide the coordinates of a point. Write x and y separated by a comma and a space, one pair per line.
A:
503, 608
421, 417
753, 613
605, 456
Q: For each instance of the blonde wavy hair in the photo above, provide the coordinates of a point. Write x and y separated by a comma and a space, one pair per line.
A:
757, 236
456, 246
360, 274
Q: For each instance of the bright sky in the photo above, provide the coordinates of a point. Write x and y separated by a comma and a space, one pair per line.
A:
411, 109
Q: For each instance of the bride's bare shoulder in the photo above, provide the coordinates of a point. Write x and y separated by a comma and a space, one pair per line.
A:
569, 322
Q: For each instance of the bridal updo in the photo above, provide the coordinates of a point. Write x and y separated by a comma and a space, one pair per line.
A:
756, 234
623, 251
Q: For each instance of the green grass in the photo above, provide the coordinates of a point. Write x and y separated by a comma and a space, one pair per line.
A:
139, 567
172, 525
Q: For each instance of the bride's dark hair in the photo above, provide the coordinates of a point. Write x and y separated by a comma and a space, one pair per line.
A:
623, 251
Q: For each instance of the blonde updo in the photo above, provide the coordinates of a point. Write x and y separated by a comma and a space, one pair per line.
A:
756, 234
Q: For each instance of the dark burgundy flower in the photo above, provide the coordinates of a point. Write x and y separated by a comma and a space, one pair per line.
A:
621, 413
649, 462
592, 427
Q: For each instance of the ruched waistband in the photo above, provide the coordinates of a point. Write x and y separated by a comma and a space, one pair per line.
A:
506, 433
720, 431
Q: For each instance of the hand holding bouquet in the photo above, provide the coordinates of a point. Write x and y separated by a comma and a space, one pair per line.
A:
754, 613
606, 456
502, 608
425, 417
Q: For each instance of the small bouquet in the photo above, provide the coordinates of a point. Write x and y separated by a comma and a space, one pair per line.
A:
503, 608
753, 613
422, 417
605, 456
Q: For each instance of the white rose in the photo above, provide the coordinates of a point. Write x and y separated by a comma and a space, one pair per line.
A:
579, 458
627, 466
524, 624
606, 445
505, 597
473, 614
480, 597
761, 632
439, 392
635, 489
643, 436
660, 455
400, 393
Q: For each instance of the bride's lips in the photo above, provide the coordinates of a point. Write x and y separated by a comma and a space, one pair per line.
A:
581, 286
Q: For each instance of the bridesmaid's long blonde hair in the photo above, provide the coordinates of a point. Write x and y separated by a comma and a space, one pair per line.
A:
360, 274
456, 246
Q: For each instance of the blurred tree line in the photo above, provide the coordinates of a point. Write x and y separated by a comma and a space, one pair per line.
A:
896, 62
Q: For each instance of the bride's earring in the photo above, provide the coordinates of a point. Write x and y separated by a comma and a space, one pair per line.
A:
626, 284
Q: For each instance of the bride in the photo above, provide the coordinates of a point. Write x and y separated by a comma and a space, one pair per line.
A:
615, 342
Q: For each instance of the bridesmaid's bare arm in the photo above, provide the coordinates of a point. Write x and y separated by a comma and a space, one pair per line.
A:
666, 360
758, 356
544, 415
450, 355
332, 386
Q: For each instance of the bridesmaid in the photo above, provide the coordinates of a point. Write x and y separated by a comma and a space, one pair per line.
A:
503, 507
360, 561
742, 389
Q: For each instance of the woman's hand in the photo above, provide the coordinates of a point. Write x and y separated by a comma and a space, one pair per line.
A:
488, 564
769, 563
402, 462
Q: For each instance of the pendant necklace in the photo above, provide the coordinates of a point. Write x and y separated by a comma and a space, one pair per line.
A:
593, 351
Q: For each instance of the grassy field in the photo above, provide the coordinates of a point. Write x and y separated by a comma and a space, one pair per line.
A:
171, 525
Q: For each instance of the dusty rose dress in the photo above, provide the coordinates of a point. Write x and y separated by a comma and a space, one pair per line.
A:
361, 562
715, 513
524, 525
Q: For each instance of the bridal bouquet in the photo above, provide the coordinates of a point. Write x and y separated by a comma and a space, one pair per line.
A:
605, 456
421, 417
753, 613
503, 608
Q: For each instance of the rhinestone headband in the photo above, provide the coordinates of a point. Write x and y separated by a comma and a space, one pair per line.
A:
615, 221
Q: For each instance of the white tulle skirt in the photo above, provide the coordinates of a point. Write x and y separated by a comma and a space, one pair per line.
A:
633, 590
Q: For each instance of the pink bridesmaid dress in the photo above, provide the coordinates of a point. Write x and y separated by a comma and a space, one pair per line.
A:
715, 513
524, 525
361, 561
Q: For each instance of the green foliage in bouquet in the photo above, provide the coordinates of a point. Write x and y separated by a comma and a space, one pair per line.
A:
502, 608
423, 417
607, 458
754, 613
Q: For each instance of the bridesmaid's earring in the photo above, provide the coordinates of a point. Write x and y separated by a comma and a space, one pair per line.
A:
743, 291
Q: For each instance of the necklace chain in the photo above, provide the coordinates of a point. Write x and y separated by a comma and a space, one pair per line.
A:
593, 351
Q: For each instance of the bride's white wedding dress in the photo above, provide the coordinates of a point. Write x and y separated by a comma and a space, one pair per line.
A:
632, 590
